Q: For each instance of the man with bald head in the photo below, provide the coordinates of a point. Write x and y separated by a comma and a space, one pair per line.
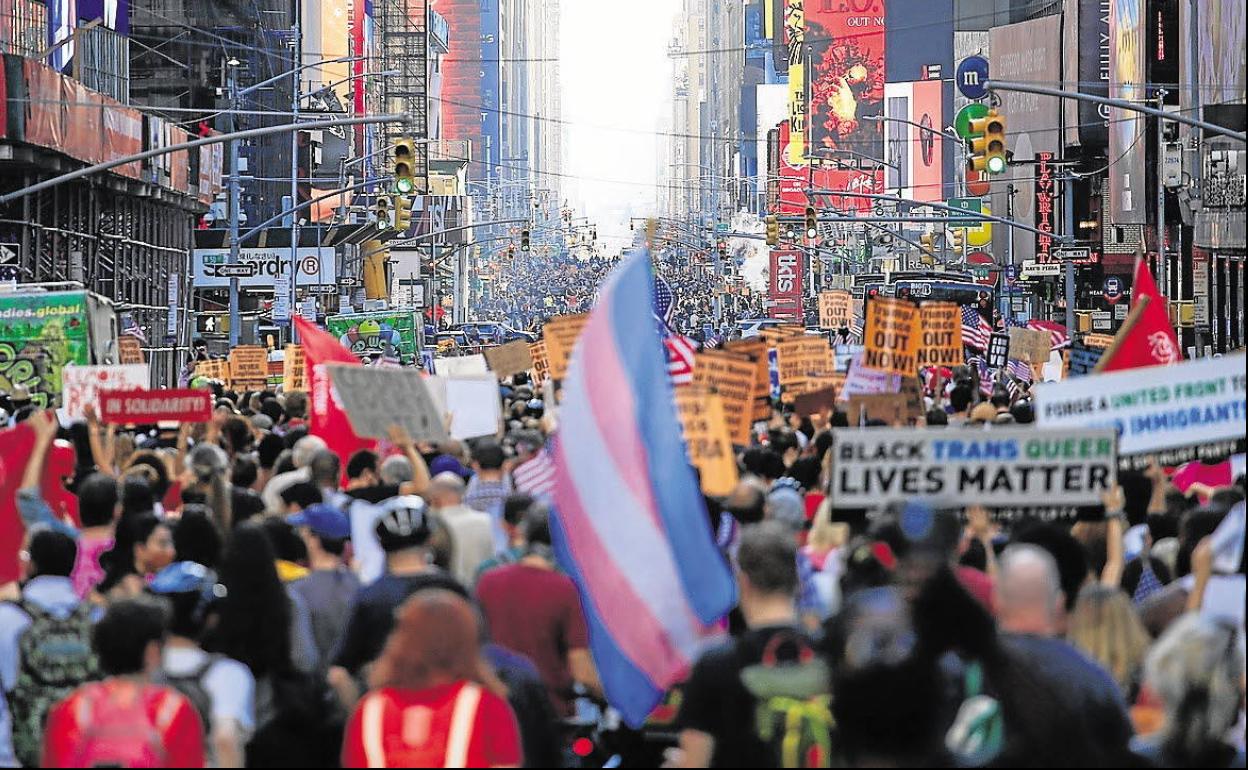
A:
1074, 712
472, 537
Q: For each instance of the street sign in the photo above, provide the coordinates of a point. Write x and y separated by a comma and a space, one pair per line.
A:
965, 204
980, 263
9, 252
962, 123
1033, 269
721, 228
234, 271
1080, 255
1102, 320
972, 77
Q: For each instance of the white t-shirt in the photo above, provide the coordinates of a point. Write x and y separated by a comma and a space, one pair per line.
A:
229, 684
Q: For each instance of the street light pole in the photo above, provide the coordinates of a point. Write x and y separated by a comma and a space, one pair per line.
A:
293, 280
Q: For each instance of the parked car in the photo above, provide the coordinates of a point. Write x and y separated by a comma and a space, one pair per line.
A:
495, 332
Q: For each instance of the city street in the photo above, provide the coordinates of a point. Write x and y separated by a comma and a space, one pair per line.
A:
673, 383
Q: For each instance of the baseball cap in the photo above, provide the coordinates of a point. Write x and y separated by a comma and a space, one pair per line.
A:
324, 520
403, 523
185, 577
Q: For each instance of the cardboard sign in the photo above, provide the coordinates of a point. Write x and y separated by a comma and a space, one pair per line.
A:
836, 309
294, 373
773, 335
541, 364
707, 439
560, 335
463, 366
377, 397
940, 342
892, 408
249, 368
860, 379
757, 351
129, 351
1030, 345
81, 385
892, 336
733, 378
798, 357
216, 369
472, 402
509, 359
815, 401
1179, 412
998, 350
1083, 359
956, 467
1098, 340
145, 407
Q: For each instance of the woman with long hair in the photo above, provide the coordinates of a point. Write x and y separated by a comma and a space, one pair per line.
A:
207, 466
142, 546
433, 702
1105, 627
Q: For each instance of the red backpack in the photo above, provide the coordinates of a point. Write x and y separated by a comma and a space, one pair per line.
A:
123, 726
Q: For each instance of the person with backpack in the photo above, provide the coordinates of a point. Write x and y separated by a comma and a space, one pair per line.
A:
125, 720
221, 689
760, 700
45, 645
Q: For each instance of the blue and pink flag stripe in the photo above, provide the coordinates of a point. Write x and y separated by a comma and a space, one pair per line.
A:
630, 524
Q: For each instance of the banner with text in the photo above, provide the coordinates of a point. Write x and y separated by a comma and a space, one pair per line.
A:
144, 407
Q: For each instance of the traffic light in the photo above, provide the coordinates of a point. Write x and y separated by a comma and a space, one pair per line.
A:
773, 230
958, 238
812, 223
987, 144
524, 240
402, 213
404, 165
382, 210
929, 242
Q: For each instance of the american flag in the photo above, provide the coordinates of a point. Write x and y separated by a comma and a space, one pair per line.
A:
536, 476
1059, 336
131, 328
975, 330
1019, 369
680, 352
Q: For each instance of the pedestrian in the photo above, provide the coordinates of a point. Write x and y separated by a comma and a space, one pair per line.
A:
431, 666
1106, 628
330, 585
471, 531
125, 720
143, 546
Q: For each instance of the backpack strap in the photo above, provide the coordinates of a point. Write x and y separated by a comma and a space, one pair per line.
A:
464, 715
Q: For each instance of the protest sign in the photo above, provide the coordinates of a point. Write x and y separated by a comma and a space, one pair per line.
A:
129, 350
836, 309
940, 342
892, 408
80, 385
216, 369
1178, 412
998, 350
463, 366
472, 403
860, 379
892, 336
707, 439
798, 357
843, 356
249, 368
1083, 358
912, 389
1101, 341
733, 378
541, 364
377, 397
294, 375
509, 359
145, 407
757, 351
956, 467
773, 335
560, 334
1030, 345
815, 401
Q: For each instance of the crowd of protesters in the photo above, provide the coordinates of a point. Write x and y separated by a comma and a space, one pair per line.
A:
233, 593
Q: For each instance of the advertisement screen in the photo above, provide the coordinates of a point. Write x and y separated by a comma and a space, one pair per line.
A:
1128, 198
916, 154
846, 44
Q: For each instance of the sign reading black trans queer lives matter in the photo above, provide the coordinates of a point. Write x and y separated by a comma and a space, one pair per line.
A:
998, 467
1177, 413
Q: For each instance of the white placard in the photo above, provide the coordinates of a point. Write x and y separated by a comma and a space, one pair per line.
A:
473, 403
81, 384
463, 366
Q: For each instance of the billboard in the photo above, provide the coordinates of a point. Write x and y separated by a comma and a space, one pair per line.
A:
785, 283
917, 154
388, 333
435, 213
846, 44
793, 180
316, 267
1128, 196
41, 334
794, 41
1086, 60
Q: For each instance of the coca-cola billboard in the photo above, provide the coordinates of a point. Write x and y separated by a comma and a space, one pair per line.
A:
785, 284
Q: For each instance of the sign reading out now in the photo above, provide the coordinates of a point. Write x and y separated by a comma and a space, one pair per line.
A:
892, 336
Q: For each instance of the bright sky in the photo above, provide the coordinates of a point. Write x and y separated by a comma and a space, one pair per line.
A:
616, 73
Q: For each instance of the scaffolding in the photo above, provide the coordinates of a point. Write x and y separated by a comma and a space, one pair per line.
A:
405, 49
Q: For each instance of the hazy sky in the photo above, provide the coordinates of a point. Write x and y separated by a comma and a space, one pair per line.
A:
616, 74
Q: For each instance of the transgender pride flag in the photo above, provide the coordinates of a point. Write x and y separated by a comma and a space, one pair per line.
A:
630, 525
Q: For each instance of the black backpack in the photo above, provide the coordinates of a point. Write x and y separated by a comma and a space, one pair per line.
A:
191, 684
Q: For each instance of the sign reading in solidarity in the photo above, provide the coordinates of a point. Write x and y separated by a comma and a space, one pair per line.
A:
941, 338
836, 309
294, 369
144, 407
1180, 412
964, 467
892, 336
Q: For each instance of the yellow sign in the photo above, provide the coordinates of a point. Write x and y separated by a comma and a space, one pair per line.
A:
249, 368
129, 351
293, 374
836, 309
216, 369
941, 337
733, 378
560, 334
891, 342
706, 436
541, 364
800, 357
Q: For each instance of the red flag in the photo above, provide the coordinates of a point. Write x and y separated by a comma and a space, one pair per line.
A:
328, 419
16, 445
1150, 340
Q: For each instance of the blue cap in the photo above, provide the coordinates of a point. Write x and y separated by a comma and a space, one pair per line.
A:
324, 520
182, 577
